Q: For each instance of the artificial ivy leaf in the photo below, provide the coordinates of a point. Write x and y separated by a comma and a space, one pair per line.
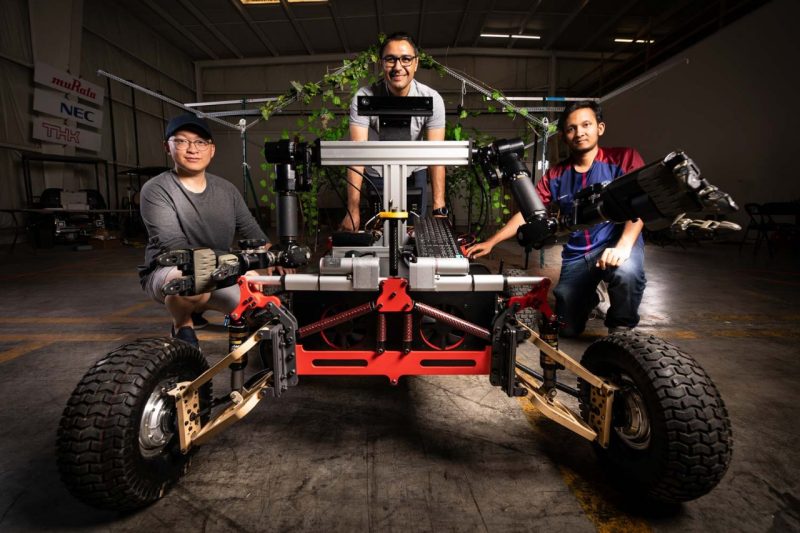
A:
263, 183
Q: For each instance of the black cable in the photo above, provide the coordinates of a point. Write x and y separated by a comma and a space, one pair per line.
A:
380, 196
338, 194
483, 200
485, 209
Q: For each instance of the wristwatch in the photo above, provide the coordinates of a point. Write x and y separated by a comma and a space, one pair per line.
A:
441, 212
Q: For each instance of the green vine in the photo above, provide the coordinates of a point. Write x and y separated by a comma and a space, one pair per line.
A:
331, 121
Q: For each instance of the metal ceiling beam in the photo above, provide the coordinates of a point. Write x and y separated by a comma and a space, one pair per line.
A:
634, 63
378, 18
550, 42
420, 20
645, 30
461, 23
338, 25
255, 29
297, 29
166, 17
483, 23
435, 52
524, 23
208, 25
609, 24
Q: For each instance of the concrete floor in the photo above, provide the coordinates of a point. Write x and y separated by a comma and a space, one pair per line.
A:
432, 454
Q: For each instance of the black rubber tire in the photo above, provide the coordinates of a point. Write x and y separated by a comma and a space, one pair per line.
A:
98, 451
690, 443
528, 315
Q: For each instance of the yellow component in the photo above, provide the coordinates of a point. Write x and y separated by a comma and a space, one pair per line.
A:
393, 214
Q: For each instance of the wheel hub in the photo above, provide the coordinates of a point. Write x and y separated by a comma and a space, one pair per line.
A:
157, 425
631, 422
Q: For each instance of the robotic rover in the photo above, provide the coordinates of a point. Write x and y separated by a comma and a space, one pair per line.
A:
403, 306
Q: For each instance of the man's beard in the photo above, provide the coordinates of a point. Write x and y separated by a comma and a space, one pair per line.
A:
578, 150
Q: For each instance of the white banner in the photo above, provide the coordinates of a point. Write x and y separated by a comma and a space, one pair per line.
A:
64, 82
53, 131
57, 105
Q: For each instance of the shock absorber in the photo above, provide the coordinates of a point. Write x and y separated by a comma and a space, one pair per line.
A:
408, 332
237, 334
548, 332
380, 344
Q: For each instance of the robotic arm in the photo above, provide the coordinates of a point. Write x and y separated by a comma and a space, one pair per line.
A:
656, 193
205, 270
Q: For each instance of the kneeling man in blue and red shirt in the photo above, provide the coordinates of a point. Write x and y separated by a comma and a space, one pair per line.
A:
608, 252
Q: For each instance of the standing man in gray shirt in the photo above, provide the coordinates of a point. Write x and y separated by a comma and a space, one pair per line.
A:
187, 207
399, 58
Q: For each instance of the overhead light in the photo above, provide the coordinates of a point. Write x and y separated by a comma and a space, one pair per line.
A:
251, 2
637, 41
506, 36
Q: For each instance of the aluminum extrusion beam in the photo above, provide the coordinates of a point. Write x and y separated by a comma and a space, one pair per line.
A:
380, 153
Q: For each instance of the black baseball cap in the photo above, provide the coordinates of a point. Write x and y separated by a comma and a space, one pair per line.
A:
189, 122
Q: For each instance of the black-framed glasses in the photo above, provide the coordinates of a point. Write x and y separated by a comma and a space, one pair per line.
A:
391, 61
201, 145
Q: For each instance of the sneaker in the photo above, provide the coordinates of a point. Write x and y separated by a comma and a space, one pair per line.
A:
619, 329
198, 321
187, 335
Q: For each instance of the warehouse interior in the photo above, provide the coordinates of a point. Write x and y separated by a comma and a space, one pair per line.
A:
351, 452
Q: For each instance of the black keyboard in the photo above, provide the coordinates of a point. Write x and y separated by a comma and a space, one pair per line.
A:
434, 238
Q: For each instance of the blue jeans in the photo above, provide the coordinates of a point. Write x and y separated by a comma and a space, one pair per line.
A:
576, 294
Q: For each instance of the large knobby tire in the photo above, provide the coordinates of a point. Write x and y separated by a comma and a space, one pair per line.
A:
671, 436
528, 315
117, 446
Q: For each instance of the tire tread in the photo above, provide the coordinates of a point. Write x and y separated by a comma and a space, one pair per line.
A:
99, 425
695, 420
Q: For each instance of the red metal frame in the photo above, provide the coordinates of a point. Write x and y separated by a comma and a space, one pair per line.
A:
392, 298
250, 298
391, 363
536, 298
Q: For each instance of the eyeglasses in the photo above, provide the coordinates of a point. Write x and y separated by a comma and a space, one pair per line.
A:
201, 145
391, 61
